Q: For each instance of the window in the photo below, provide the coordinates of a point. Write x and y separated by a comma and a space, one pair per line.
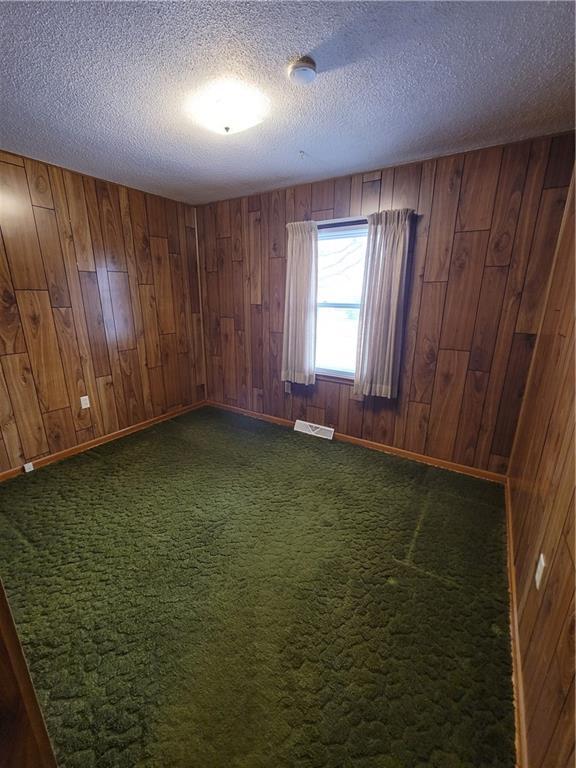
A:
341, 255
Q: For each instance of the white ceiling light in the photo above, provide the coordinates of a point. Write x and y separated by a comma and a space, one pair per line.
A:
228, 106
303, 71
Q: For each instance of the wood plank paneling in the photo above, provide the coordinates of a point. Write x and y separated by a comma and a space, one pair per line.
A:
446, 402
60, 431
122, 308
95, 322
11, 335
140, 235
18, 229
542, 512
109, 206
465, 291
22, 393
507, 204
478, 190
163, 284
443, 217
550, 213
72, 365
42, 345
427, 341
79, 220
78, 308
488, 317
49, 239
38, 183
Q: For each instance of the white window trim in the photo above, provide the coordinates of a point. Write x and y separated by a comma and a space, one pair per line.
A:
339, 228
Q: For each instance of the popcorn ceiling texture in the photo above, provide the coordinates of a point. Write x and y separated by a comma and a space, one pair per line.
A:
99, 87
216, 592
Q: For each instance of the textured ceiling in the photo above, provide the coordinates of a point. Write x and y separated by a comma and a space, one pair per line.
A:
99, 87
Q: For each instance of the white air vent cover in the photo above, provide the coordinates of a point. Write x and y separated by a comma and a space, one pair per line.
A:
314, 429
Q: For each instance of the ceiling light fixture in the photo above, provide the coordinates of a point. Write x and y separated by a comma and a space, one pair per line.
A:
302, 71
228, 106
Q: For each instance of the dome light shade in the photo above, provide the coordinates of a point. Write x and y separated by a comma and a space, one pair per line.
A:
228, 106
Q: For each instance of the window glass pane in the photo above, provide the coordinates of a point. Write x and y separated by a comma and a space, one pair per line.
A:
336, 336
341, 266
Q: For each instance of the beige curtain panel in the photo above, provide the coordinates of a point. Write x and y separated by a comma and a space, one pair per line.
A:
381, 324
299, 346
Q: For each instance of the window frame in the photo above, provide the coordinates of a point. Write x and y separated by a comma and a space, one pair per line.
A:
348, 224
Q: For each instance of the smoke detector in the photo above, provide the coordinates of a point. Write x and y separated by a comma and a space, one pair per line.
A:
303, 70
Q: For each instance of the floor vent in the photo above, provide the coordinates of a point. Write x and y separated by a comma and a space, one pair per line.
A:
314, 429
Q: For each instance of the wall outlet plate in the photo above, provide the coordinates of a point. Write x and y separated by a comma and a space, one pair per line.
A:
29, 467
84, 401
539, 570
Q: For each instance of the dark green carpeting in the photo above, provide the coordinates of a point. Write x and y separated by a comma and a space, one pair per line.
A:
217, 592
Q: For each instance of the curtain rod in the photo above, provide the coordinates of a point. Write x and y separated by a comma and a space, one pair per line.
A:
330, 223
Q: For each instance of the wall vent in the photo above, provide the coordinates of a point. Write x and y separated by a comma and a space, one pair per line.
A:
314, 429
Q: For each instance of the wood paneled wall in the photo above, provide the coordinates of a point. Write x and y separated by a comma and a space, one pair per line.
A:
98, 296
487, 226
541, 478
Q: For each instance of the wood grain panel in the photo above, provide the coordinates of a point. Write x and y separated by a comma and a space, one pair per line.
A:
155, 207
560, 162
38, 183
507, 204
488, 317
548, 222
22, 393
18, 230
11, 335
539, 150
42, 345
443, 217
108, 402
140, 235
122, 308
542, 511
478, 190
513, 392
446, 402
60, 431
172, 381
496, 191
470, 417
132, 382
427, 341
163, 284
95, 322
49, 239
8, 426
109, 206
79, 220
151, 335
417, 427
72, 365
463, 291
105, 311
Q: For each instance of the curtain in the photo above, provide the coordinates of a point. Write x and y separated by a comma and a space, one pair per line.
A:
381, 322
299, 346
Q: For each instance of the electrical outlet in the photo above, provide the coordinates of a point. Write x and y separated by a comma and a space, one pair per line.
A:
84, 401
539, 570
28, 467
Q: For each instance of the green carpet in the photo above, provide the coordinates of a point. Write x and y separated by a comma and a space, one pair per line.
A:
216, 592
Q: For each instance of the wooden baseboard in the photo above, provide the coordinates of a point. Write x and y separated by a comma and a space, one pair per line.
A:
519, 712
481, 474
26, 743
44, 460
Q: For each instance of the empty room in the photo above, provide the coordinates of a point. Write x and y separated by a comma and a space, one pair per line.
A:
287, 374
